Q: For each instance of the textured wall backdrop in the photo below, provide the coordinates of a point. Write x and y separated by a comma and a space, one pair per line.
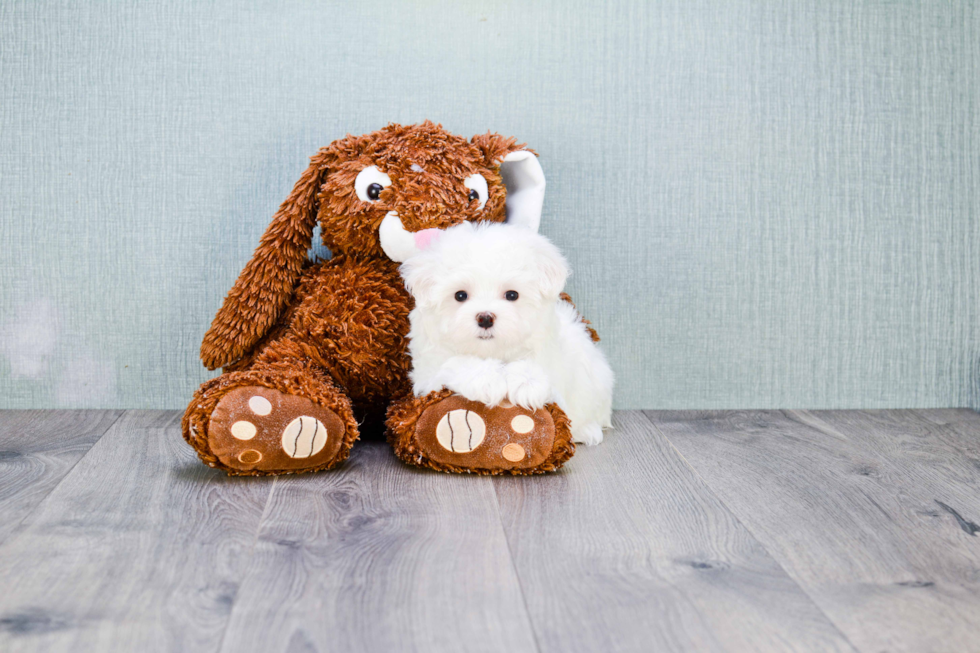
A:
767, 204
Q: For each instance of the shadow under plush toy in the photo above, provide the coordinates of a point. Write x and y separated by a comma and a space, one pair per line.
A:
309, 351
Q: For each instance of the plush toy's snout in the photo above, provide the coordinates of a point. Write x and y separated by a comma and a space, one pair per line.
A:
523, 180
426, 237
399, 243
415, 226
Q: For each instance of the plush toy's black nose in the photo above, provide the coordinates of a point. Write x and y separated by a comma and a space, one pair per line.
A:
485, 320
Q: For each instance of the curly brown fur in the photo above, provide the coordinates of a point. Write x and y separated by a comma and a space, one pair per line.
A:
403, 417
357, 336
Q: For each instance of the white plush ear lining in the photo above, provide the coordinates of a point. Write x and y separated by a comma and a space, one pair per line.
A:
524, 180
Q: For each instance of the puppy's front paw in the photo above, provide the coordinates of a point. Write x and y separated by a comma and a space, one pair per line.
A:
527, 385
474, 378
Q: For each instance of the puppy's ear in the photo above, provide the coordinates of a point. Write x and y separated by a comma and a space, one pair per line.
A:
420, 275
522, 176
256, 301
552, 268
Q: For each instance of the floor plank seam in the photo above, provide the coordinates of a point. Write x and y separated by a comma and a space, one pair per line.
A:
808, 419
751, 532
959, 449
251, 554
54, 487
513, 565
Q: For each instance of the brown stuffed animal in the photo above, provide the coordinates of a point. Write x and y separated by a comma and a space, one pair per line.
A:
309, 351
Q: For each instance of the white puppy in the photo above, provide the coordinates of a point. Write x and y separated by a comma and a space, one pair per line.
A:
488, 324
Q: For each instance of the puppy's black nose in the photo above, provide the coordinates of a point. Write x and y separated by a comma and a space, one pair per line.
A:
485, 320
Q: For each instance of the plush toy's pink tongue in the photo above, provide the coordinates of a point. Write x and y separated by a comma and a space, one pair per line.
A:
426, 237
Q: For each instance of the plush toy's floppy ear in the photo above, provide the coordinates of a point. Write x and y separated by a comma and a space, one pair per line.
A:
524, 179
258, 298
522, 175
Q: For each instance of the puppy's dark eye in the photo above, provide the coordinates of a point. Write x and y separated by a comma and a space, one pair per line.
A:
511, 295
374, 191
461, 296
474, 195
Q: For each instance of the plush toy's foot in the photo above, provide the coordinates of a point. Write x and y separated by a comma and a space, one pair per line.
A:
449, 433
256, 430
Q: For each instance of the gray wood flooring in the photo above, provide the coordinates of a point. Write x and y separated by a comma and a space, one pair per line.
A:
684, 531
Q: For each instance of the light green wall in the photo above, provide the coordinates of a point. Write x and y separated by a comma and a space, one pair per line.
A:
766, 204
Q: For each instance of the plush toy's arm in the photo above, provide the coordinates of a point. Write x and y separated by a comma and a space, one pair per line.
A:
258, 298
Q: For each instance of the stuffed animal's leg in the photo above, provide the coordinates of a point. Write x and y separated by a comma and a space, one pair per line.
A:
274, 418
447, 432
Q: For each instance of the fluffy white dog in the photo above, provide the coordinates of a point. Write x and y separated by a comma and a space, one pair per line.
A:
488, 324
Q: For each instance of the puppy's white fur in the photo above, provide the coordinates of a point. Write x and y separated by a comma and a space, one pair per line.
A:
537, 351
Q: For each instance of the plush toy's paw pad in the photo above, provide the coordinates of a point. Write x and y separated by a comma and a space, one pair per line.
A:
464, 435
461, 431
257, 428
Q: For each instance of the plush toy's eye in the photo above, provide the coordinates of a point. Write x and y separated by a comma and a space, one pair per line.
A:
369, 184
461, 296
478, 189
511, 295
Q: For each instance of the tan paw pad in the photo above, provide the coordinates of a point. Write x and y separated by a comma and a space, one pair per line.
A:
461, 431
305, 436
243, 430
249, 457
521, 424
513, 452
260, 405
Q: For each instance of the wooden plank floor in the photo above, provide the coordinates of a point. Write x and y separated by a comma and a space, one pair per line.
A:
684, 531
